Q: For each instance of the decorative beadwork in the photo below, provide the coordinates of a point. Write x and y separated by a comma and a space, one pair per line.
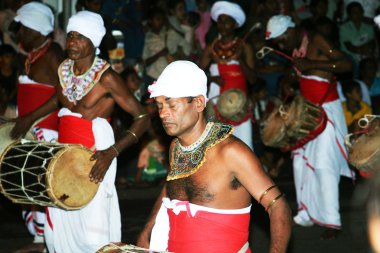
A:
200, 139
225, 51
76, 87
184, 163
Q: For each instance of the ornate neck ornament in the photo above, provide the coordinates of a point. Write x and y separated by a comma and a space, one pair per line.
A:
76, 87
225, 51
185, 161
36, 54
200, 139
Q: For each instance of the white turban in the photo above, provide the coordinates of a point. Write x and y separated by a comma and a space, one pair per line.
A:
180, 79
36, 16
231, 9
377, 20
89, 24
277, 25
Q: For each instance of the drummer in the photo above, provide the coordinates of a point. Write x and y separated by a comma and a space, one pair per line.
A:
88, 91
318, 164
231, 61
36, 85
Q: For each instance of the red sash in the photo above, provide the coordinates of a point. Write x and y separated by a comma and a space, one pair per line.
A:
207, 232
318, 91
30, 96
74, 130
233, 77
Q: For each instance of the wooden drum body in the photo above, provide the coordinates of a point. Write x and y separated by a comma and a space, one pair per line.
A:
47, 174
364, 149
233, 105
291, 126
125, 248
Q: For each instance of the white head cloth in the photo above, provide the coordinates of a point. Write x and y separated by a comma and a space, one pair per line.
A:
277, 25
89, 24
377, 20
180, 79
231, 9
36, 16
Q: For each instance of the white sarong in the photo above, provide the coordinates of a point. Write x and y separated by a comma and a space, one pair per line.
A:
318, 166
98, 223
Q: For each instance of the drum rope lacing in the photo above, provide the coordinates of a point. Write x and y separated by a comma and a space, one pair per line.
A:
27, 192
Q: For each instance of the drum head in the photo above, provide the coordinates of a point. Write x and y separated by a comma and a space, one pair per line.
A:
231, 102
68, 181
6, 140
365, 150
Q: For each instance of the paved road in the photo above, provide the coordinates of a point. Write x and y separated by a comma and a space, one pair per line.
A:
135, 206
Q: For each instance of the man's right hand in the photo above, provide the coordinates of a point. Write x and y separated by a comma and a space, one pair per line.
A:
22, 126
143, 240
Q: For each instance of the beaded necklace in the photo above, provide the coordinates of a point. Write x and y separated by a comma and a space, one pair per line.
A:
36, 54
225, 51
184, 163
200, 139
76, 87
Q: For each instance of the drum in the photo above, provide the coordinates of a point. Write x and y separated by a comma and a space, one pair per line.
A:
292, 126
47, 174
125, 248
364, 149
6, 140
233, 105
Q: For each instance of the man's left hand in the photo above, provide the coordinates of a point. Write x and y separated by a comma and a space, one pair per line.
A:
103, 161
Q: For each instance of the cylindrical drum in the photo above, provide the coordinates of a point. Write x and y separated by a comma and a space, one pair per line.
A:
47, 174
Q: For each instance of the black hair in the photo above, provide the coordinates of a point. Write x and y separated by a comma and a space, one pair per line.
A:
364, 63
7, 49
353, 5
348, 85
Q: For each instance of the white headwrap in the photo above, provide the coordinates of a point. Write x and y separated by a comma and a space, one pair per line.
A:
231, 9
89, 24
180, 79
377, 20
277, 25
36, 16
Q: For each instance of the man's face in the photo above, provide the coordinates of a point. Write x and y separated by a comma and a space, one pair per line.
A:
27, 37
178, 115
78, 46
284, 41
226, 25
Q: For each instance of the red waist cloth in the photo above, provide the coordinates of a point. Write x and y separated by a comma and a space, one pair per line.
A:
207, 232
74, 130
318, 91
233, 77
30, 96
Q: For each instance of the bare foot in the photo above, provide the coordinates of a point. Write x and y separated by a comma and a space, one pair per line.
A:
32, 247
330, 234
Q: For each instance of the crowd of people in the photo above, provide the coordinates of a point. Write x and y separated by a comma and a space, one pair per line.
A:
179, 91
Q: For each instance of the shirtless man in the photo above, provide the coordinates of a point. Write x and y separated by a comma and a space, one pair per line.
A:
212, 176
88, 91
318, 164
36, 85
231, 61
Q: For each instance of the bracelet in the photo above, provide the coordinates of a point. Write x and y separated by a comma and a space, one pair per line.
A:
265, 193
274, 201
141, 116
133, 134
114, 148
